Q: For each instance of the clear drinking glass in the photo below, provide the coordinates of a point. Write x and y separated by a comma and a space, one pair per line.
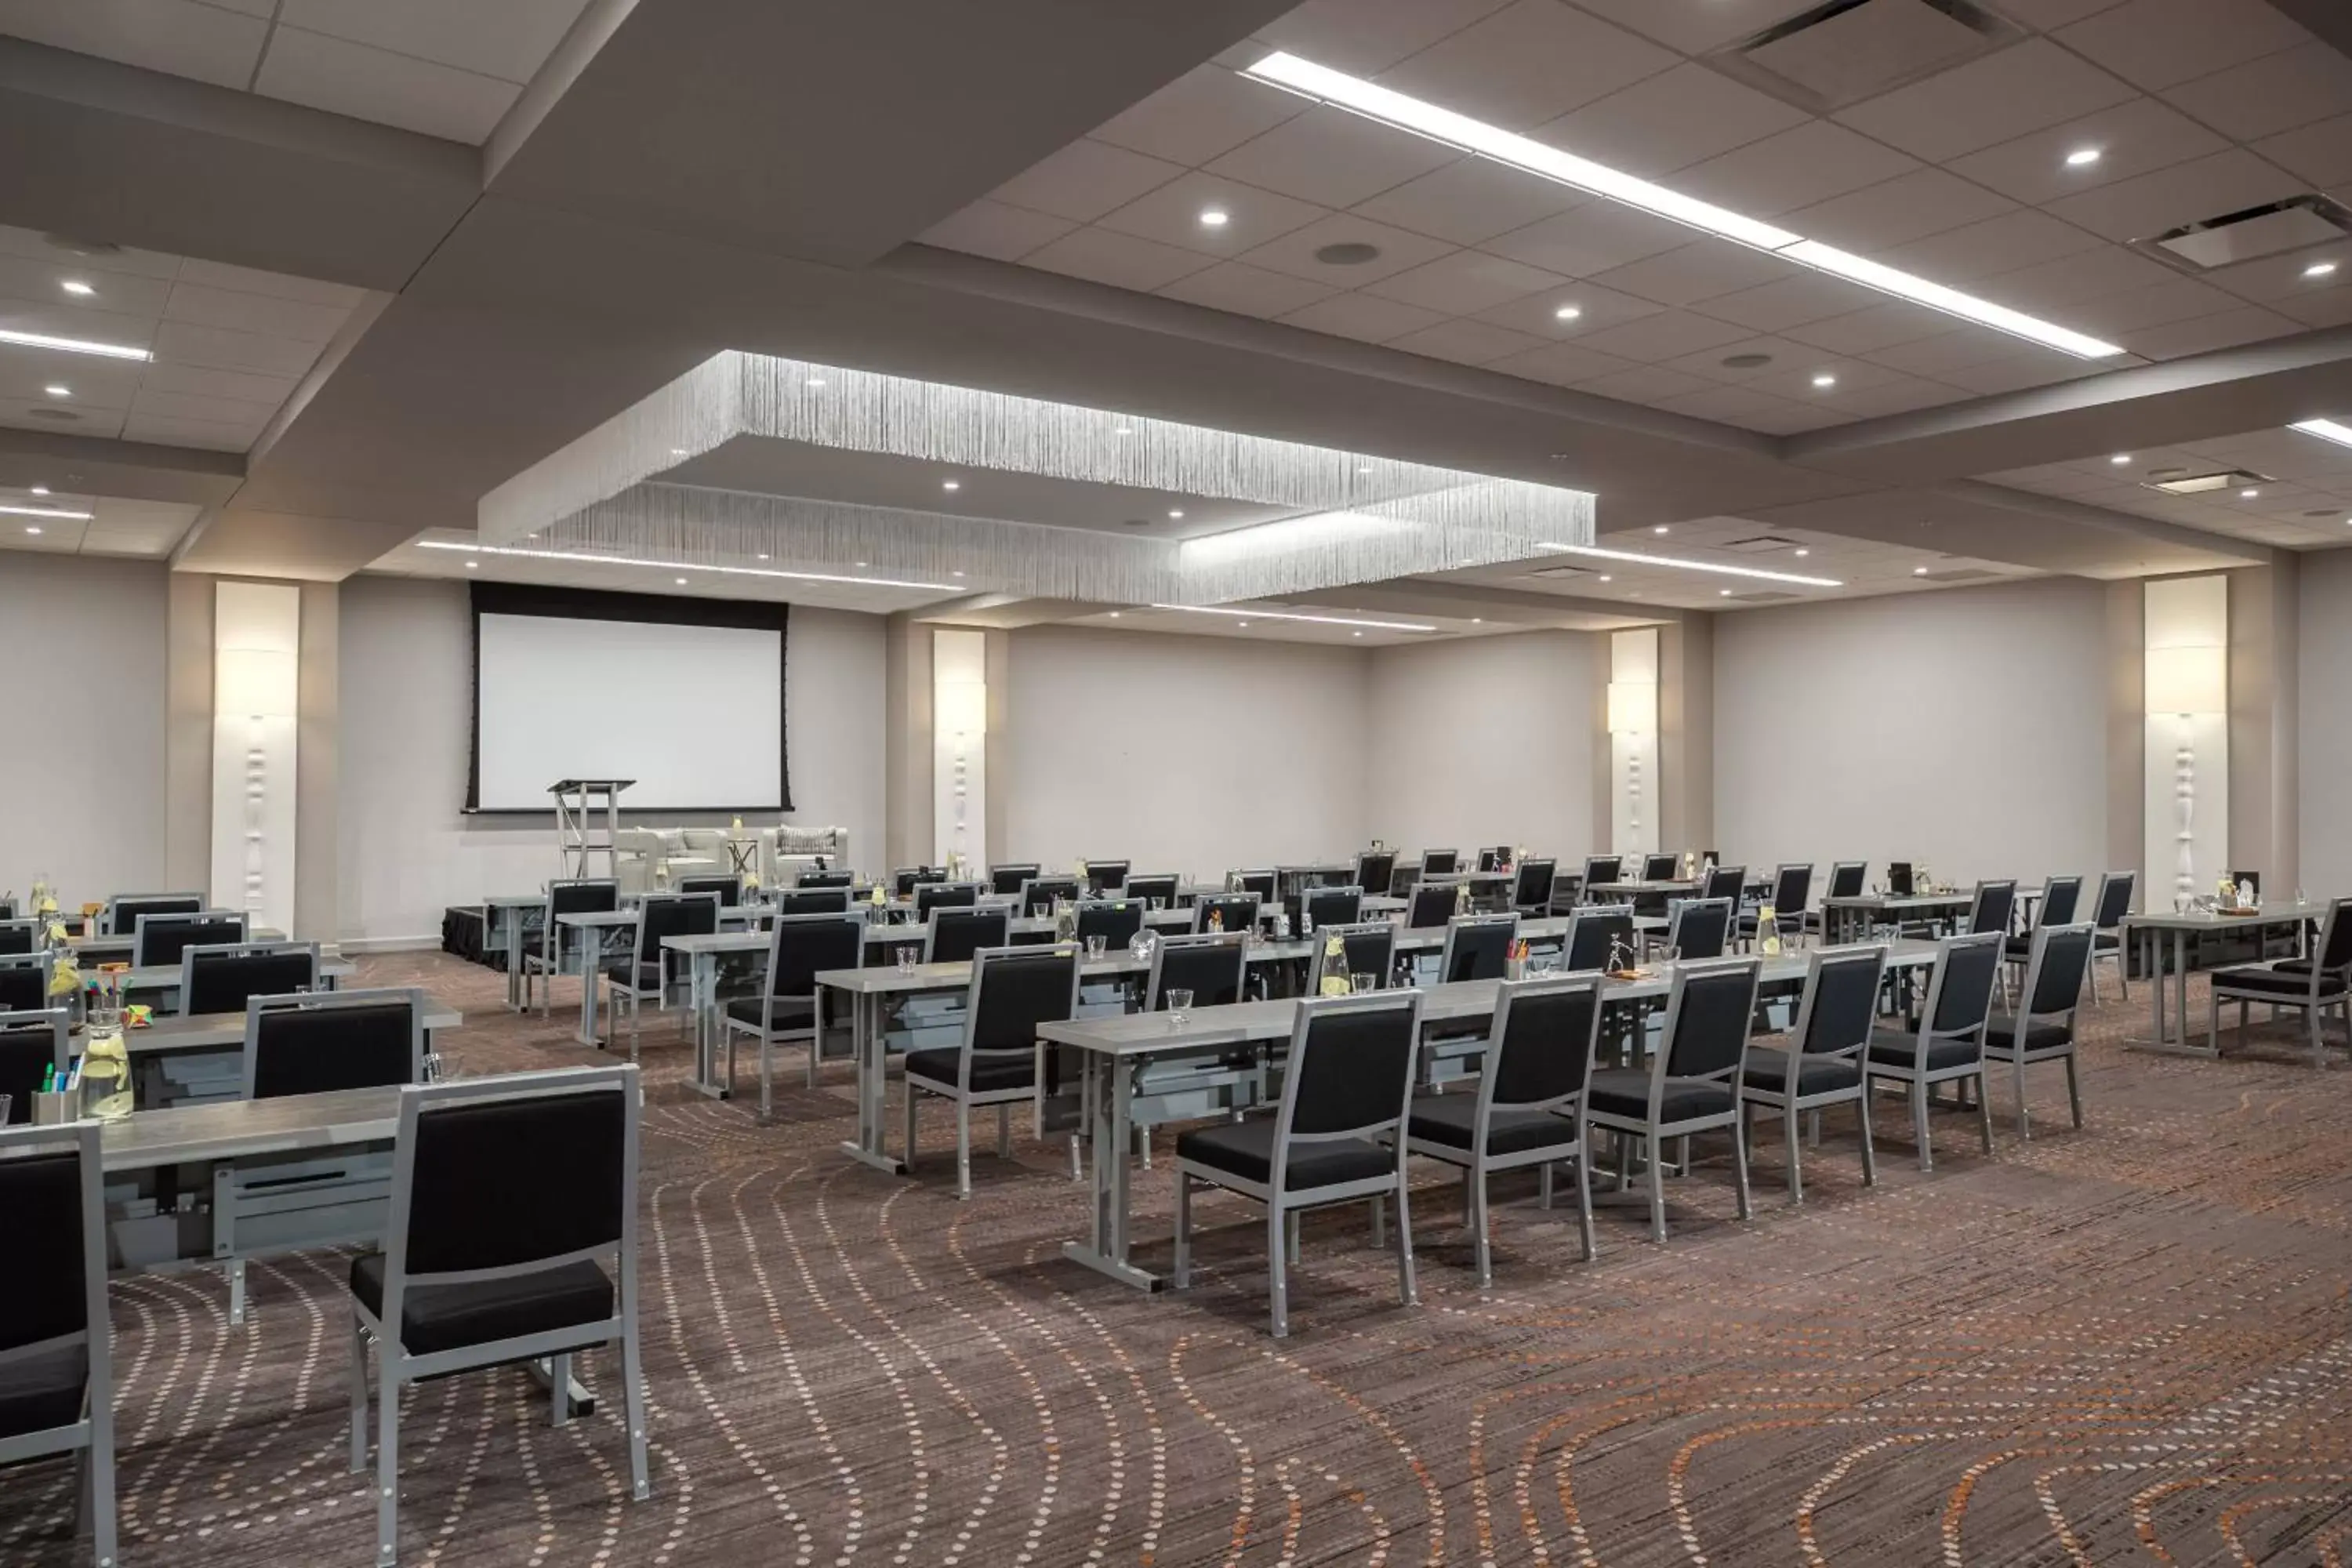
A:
1364, 981
7, 1103
1179, 1004
907, 958
1095, 946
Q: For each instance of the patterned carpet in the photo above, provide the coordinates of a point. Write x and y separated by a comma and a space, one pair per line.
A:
2129, 1343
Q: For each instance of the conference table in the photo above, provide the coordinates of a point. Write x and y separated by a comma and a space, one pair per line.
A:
1114, 1049
2171, 1036
199, 1059
1852, 917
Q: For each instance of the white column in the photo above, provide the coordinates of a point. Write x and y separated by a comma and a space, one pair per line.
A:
257, 688
2186, 759
960, 744
1632, 719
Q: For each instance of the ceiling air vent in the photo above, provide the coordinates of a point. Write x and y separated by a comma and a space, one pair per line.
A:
2294, 223
1560, 573
1959, 575
1760, 544
1846, 50
1764, 596
2205, 484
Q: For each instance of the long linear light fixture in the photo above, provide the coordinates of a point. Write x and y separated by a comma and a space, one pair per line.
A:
1289, 616
685, 565
2325, 429
75, 345
1427, 120
56, 511
1639, 559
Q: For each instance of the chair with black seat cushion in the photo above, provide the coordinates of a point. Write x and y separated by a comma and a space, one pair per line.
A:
789, 1005
813, 879
120, 917
1013, 990
907, 878
807, 901
1258, 882
158, 940
932, 895
1898, 879
1693, 1082
1699, 928
1225, 913
1792, 886
2060, 895
57, 1341
648, 972
1600, 869
319, 1043
1210, 966
7, 909
1375, 869
1594, 932
1529, 1107
1347, 1086
223, 979
32, 1043
1821, 1064
1724, 882
2108, 912
1038, 895
1115, 920
1478, 947
25, 982
2058, 963
1321, 906
562, 947
728, 891
1991, 905
1531, 885
2313, 986
955, 936
1366, 948
1158, 887
1948, 1043
1431, 905
1105, 876
1659, 867
1010, 878
19, 935
1440, 862
1846, 882
510, 1197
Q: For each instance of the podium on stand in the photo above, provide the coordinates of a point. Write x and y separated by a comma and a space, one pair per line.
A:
577, 842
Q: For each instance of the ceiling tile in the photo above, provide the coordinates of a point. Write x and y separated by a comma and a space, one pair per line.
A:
1780, 352
1333, 158
1364, 317
1471, 201
1367, 37
2054, 285
53, 318
1527, 63
25, 373
1596, 308
2331, 308
121, 292
214, 410
1728, 404
2133, 138
1465, 342
509, 40
1085, 180
1669, 120
1696, 29
1246, 291
1793, 301
35, 246
2227, 181
320, 72
1592, 238
2157, 44
1996, 244
1295, 252
203, 307
1207, 111
1464, 283
1699, 271
202, 42
2047, 14
1937, 357
995, 229
2035, 367
1669, 334
2111, 314
1119, 259
1796, 168
277, 285
2277, 92
1900, 396
213, 348
18, 413
1990, 98
244, 386
1561, 364
1171, 214
203, 433
2320, 153
1897, 210
1879, 327
2280, 278
1793, 379
1644, 383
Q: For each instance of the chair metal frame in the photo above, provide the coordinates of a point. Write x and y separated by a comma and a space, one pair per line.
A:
59, 1021
1018, 872
2106, 939
1306, 899
1384, 931
548, 959
44, 959
1519, 873
768, 1031
30, 925
978, 914
961, 1094
2314, 1004
1653, 1127
635, 995
1916, 1074
1786, 1101
2013, 1050
107, 917
139, 958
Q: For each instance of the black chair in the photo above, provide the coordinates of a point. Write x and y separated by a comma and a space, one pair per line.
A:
843, 879
1846, 882
1898, 879
1116, 921
1347, 1085
25, 982
907, 878
223, 979
1039, 894
2108, 912
560, 945
1990, 906
1821, 1065
808, 901
158, 940
647, 971
1601, 870
1210, 967
2313, 986
306, 1043
57, 1340
1529, 1107
1724, 882
1375, 869
19, 936
7, 909
32, 1043
120, 917
1948, 1043
1105, 876
1158, 886
1700, 928
955, 936
1440, 862
1792, 886
1225, 913
728, 891
1321, 906
1694, 1081
1478, 947
1258, 883
1594, 932
1010, 878
1431, 905
2059, 896
1659, 867
1531, 885
506, 1194
1366, 949
789, 1005
1013, 990
2058, 963
932, 895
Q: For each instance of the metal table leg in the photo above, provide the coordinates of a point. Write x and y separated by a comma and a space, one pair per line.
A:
2171, 1035
868, 1044
1109, 1092
702, 982
514, 957
588, 987
582, 1401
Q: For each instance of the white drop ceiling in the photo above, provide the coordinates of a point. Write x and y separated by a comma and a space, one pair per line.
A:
230, 345
2305, 500
113, 527
443, 68
2199, 108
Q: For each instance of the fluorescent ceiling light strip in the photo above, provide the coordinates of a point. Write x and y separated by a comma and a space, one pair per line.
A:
684, 565
1639, 559
2325, 429
74, 346
44, 512
1427, 120
1287, 615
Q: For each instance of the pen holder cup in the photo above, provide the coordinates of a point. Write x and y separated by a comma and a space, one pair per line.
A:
53, 1109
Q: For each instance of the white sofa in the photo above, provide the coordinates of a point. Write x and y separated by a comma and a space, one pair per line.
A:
784, 851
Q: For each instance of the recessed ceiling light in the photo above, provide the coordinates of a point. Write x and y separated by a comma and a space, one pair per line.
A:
1725, 592
1605, 577
681, 581
1243, 625
1824, 379
2249, 493
1176, 515
472, 565
1114, 615
1122, 430
1459, 131
677, 451
1364, 469
2320, 269
1802, 551
764, 555
57, 389
1918, 571
814, 381
955, 573
950, 484
77, 287
2120, 458
74, 346
1568, 312
40, 490
57, 511
1216, 217
2325, 429
860, 564
1688, 566
32, 528
593, 559
2083, 157
1660, 529
1477, 620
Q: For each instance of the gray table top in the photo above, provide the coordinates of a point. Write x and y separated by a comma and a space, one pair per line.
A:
223, 1031
1667, 885
719, 942
1900, 901
2215, 919
237, 1129
155, 976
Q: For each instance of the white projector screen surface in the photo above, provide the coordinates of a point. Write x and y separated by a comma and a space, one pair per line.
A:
693, 714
